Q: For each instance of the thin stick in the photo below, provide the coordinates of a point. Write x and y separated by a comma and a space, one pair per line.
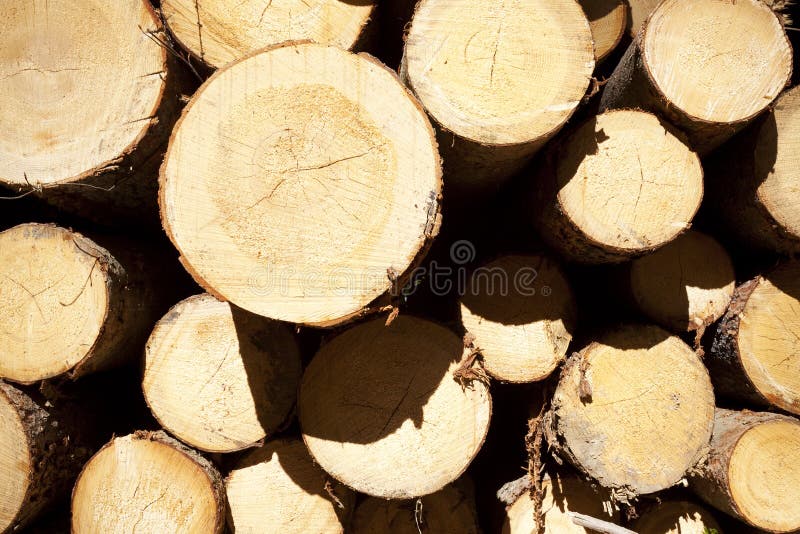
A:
597, 524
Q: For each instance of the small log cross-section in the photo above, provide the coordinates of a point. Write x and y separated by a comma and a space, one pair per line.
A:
752, 471
473, 64
218, 32
219, 378
278, 488
381, 411
756, 349
332, 180
685, 285
39, 457
633, 410
522, 313
620, 185
608, 20
676, 517
709, 66
149, 483
70, 306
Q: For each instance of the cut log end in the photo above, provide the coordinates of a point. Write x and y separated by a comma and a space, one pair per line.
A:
608, 20
148, 483
686, 285
634, 410
244, 373
81, 81
15, 463
677, 517
278, 488
472, 65
325, 192
380, 409
56, 285
735, 57
522, 313
219, 32
639, 11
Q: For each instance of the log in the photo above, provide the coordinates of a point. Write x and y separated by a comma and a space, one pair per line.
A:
676, 517
240, 371
735, 59
451, 509
561, 496
620, 185
754, 353
328, 197
752, 471
522, 313
752, 179
86, 112
361, 406
472, 64
148, 482
217, 32
278, 488
633, 410
685, 285
608, 20
71, 308
40, 456
639, 11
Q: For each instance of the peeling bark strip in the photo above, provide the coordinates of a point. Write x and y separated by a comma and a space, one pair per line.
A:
325, 193
734, 60
756, 346
620, 185
151, 482
93, 133
752, 471
41, 456
72, 307
472, 64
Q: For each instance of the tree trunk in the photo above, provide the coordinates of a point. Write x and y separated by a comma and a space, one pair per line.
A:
346, 199
72, 307
218, 32
522, 313
686, 285
298, 495
676, 517
361, 408
633, 410
150, 482
40, 456
240, 370
752, 471
754, 354
620, 185
608, 20
473, 63
752, 180
88, 113
734, 60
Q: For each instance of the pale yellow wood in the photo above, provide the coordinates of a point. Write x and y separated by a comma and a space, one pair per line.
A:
639, 11
15, 459
734, 57
474, 65
686, 284
676, 517
56, 299
608, 20
768, 337
218, 378
219, 31
650, 411
522, 313
144, 486
381, 411
331, 182
80, 80
560, 496
278, 488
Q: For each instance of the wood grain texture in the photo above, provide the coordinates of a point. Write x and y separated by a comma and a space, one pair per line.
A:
608, 20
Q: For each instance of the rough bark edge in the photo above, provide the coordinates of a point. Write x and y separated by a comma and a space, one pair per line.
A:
55, 458
710, 481
429, 231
